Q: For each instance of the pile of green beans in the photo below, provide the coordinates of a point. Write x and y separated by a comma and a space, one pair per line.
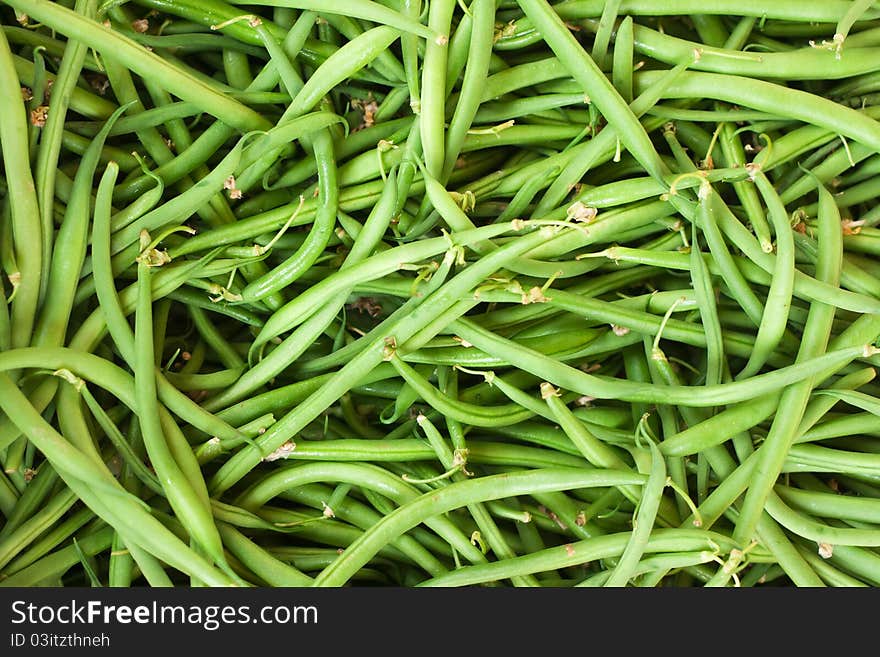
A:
439, 293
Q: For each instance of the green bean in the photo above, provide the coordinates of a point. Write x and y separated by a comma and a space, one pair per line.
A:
182, 206
858, 561
518, 205
235, 66
287, 396
152, 117
8, 496
371, 477
374, 352
856, 10
457, 52
379, 265
682, 160
5, 327
72, 420
269, 569
391, 106
820, 504
150, 567
421, 275
790, 560
178, 487
39, 95
727, 268
322, 228
137, 467
711, 29
216, 446
385, 64
829, 574
476, 70
562, 512
470, 414
851, 276
604, 31
274, 219
117, 323
776, 312
857, 399
786, 10
669, 424
403, 449
720, 427
595, 84
734, 155
657, 566
604, 388
56, 564
280, 357
363, 9
604, 144
30, 499
817, 531
820, 405
55, 47
50, 143
566, 345
713, 458
595, 451
709, 116
22, 201
621, 314
805, 287
351, 57
433, 88
643, 521
855, 423
117, 505
221, 307
124, 89
541, 105
482, 515
485, 488
595, 287
772, 98
622, 59
705, 295
143, 62
607, 227
814, 458
802, 63
70, 251
209, 332
16, 541
523, 75
406, 548
794, 399
50, 540
360, 142
81, 101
